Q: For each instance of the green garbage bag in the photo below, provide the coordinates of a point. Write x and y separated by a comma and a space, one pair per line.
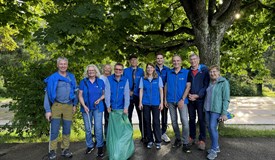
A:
120, 143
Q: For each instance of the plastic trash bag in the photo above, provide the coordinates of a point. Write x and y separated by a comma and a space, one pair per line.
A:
120, 143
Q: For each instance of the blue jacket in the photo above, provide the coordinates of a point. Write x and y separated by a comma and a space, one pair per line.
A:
51, 87
97, 92
117, 93
133, 85
162, 73
175, 86
151, 94
199, 82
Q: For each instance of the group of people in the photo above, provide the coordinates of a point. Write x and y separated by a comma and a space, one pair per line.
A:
195, 92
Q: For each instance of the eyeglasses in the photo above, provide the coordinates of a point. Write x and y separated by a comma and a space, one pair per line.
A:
118, 69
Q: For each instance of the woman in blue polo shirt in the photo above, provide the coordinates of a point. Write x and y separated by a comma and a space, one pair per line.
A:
91, 94
151, 100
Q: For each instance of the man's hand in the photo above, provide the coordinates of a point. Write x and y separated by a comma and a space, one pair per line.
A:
74, 109
180, 104
86, 109
125, 111
48, 116
97, 101
193, 97
131, 93
160, 106
165, 104
109, 109
140, 106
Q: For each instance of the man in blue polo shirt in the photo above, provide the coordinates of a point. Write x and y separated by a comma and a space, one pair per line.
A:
162, 70
177, 89
133, 74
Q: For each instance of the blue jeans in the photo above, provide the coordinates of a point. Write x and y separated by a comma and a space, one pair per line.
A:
184, 121
212, 123
98, 128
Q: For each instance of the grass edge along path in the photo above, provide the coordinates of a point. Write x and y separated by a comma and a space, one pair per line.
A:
229, 132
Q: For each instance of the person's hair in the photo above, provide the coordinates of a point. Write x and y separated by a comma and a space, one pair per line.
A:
159, 53
155, 74
62, 59
214, 67
132, 56
105, 66
194, 54
176, 55
85, 74
119, 64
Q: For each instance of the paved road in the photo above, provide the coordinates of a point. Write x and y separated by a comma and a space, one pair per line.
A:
231, 149
247, 110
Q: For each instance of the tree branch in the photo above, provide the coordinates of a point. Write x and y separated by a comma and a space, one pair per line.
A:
169, 34
169, 46
224, 7
255, 3
211, 7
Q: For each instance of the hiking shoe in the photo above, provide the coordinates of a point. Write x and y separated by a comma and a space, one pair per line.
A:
150, 145
217, 150
158, 145
66, 153
165, 138
212, 155
201, 145
89, 150
100, 152
186, 148
177, 143
191, 141
52, 154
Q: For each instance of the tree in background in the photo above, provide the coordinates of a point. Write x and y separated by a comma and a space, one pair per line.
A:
103, 31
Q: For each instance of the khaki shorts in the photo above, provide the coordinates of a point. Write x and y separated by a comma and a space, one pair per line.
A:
62, 110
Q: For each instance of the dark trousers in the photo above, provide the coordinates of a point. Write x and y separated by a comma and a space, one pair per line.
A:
193, 108
135, 102
164, 115
106, 120
156, 123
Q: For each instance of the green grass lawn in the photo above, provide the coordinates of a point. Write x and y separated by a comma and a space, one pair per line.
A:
75, 137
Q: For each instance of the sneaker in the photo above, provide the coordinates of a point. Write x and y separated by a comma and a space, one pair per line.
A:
89, 150
158, 145
52, 154
100, 152
150, 145
165, 138
217, 150
201, 145
191, 141
186, 148
212, 155
66, 153
177, 143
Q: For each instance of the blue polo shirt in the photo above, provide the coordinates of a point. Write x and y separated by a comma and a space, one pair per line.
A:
91, 93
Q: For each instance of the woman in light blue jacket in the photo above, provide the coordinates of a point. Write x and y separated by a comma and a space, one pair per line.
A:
215, 105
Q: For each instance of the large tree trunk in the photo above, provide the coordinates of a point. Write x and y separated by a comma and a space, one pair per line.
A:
210, 25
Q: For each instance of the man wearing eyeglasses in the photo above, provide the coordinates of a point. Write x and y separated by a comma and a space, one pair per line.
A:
117, 93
